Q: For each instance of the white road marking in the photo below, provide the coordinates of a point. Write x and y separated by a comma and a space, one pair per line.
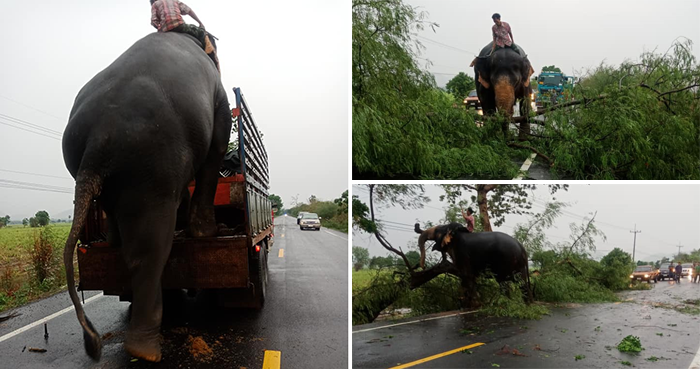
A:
335, 235
44, 320
525, 167
415, 321
695, 364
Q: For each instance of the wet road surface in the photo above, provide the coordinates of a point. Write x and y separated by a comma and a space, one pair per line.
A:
590, 331
305, 318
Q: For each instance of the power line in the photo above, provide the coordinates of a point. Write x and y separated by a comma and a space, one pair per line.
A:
37, 133
30, 107
34, 174
31, 125
446, 45
34, 186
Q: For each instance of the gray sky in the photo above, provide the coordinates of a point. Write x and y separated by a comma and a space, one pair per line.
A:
573, 34
289, 58
667, 215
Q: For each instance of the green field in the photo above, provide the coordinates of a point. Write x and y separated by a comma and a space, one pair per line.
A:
18, 282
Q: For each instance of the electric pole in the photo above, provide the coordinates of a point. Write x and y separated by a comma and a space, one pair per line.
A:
679, 249
634, 245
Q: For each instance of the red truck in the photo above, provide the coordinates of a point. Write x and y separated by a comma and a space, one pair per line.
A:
234, 263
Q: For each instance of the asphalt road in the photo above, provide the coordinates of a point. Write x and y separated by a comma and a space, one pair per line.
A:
305, 318
590, 330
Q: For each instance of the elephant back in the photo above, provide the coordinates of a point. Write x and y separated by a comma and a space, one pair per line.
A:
487, 49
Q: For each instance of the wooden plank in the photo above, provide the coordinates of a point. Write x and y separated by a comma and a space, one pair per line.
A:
220, 262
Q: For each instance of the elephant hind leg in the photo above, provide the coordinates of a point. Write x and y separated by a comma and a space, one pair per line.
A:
202, 221
146, 243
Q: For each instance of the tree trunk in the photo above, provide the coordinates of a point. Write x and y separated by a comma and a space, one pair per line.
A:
481, 200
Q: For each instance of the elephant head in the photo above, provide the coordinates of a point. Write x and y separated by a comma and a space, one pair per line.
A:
442, 235
501, 79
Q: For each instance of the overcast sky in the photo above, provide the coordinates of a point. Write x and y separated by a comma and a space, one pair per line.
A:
289, 58
667, 215
572, 34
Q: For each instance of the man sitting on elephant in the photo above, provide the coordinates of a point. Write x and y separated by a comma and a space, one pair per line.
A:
166, 16
502, 34
469, 219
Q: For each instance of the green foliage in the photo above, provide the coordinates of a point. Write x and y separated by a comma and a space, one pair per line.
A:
42, 218
277, 202
630, 344
626, 363
506, 303
562, 287
402, 124
646, 126
4, 221
334, 213
381, 292
617, 267
551, 68
25, 222
460, 86
360, 255
579, 357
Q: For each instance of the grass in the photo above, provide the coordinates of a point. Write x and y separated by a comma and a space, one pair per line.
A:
18, 282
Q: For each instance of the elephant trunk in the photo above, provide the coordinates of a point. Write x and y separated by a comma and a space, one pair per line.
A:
424, 236
87, 186
505, 96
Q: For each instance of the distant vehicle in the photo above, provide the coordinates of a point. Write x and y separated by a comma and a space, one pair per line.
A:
301, 213
310, 220
687, 269
645, 273
472, 100
664, 273
553, 88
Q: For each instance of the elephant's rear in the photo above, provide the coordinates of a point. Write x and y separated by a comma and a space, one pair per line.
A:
145, 122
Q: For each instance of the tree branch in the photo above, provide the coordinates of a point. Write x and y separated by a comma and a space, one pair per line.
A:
588, 226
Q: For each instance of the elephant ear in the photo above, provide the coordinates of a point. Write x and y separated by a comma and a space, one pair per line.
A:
527, 72
481, 69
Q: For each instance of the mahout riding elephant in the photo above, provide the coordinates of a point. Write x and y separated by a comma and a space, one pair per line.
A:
475, 253
501, 79
139, 132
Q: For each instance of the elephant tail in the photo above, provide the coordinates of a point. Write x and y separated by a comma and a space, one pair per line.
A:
87, 186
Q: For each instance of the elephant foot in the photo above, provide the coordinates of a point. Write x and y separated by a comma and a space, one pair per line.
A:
146, 349
203, 222
203, 229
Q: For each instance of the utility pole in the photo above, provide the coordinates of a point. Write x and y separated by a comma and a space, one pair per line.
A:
634, 245
679, 249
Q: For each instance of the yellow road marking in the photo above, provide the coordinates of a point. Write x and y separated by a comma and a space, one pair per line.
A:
272, 359
281, 254
430, 358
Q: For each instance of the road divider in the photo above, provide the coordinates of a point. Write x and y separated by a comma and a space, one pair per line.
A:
272, 359
46, 319
431, 358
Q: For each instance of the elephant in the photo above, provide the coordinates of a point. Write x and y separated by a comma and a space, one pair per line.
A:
138, 133
501, 79
474, 253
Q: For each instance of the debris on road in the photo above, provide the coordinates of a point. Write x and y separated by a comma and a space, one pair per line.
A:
199, 349
9, 316
507, 350
630, 344
40, 350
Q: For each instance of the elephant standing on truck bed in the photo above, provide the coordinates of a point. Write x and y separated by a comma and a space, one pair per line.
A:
138, 133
